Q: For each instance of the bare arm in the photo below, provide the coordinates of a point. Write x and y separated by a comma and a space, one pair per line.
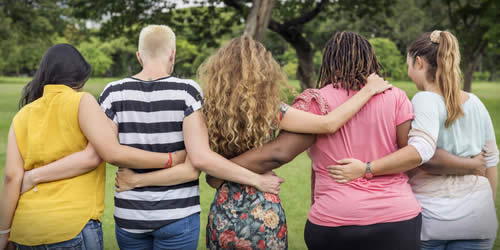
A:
126, 179
96, 127
203, 158
304, 122
14, 171
402, 160
443, 163
271, 155
492, 175
70, 166
77, 164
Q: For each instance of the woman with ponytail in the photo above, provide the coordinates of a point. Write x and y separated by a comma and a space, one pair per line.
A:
458, 204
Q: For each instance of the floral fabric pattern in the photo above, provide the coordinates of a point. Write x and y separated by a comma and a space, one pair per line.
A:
241, 217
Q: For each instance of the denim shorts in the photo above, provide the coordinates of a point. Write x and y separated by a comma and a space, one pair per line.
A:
486, 244
182, 234
90, 238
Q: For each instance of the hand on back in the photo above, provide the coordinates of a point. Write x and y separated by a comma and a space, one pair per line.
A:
377, 83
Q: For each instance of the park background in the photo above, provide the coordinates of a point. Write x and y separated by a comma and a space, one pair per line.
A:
295, 31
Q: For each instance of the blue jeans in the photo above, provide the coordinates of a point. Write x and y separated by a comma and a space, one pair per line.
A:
182, 234
90, 238
457, 244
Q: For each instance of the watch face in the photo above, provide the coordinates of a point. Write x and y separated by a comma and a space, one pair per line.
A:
368, 176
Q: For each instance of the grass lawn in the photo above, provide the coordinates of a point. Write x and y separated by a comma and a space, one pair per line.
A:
295, 194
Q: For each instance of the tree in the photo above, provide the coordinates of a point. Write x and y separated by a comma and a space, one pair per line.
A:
27, 30
475, 24
217, 18
389, 57
258, 19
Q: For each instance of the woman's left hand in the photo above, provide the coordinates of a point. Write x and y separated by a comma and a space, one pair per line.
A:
347, 170
125, 179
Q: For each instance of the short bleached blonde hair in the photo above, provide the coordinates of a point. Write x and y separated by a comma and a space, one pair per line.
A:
156, 41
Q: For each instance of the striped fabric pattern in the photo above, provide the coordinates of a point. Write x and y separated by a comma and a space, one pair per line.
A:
149, 116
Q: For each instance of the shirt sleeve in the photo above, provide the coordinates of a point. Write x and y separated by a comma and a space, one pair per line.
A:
404, 110
106, 102
491, 154
194, 98
426, 110
311, 101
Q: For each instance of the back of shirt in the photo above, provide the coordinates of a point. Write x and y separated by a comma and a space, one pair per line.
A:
47, 130
464, 200
369, 135
149, 116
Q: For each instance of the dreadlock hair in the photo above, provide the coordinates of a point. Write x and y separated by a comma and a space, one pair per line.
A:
441, 52
348, 59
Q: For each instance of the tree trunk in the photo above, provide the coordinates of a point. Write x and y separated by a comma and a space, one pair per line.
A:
470, 66
305, 71
258, 18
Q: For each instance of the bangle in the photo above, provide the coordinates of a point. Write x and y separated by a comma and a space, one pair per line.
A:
169, 162
6, 231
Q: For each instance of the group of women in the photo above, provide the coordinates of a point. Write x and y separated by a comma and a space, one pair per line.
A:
387, 173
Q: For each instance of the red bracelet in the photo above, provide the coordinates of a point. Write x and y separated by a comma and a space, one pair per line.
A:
169, 162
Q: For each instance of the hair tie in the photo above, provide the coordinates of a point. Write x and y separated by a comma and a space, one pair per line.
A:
435, 36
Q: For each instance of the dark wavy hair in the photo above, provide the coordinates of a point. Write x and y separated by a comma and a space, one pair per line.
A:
348, 59
61, 64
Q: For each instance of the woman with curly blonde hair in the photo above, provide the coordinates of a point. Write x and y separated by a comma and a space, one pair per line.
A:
242, 85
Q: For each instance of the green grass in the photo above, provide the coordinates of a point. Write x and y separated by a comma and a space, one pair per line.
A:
295, 194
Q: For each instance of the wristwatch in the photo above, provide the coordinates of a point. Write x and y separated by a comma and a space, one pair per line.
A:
368, 171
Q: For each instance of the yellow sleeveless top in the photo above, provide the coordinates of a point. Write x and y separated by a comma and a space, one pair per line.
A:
47, 130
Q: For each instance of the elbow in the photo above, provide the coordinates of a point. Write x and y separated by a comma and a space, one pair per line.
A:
194, 174
332, 127
13, 178
111, 157
280, 157
93, 160
199, 161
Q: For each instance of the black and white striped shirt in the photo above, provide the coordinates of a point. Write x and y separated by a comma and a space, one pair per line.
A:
149, 115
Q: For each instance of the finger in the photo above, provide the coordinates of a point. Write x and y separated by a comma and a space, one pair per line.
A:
337, 177
281, 180
336, 171
343, 181
345, 161
336, 168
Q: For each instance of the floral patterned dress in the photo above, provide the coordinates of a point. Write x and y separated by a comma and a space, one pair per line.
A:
241, 217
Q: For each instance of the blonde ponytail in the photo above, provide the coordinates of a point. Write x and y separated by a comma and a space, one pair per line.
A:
448, 75
440, 50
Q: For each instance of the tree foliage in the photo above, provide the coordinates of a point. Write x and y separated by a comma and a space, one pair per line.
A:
390, 58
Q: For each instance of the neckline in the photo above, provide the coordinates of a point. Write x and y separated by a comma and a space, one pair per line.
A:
154, 80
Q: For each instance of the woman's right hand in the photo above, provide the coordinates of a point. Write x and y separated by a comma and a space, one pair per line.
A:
377, 84
269, 183
178, 157
125, 179
28, 182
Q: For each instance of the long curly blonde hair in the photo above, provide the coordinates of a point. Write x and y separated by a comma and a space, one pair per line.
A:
241, 84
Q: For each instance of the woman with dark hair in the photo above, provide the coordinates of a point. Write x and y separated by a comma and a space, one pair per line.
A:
57, 121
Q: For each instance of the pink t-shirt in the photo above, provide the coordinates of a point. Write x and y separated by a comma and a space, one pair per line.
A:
369, 135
